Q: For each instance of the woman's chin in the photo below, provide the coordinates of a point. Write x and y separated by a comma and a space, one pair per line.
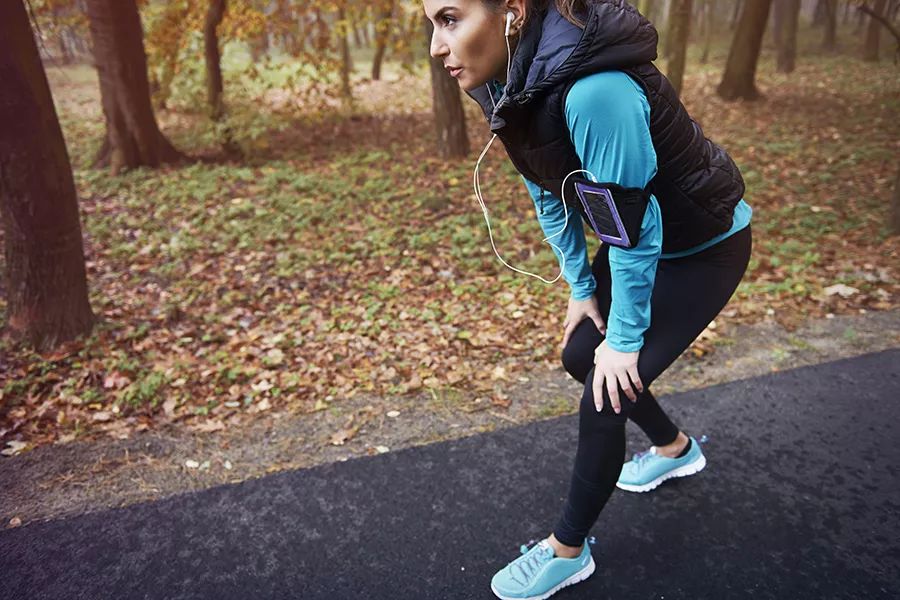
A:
466, 84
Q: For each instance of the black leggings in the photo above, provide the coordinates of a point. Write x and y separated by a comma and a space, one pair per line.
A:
687, 295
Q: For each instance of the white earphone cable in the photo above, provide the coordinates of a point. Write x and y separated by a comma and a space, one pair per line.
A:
478, 195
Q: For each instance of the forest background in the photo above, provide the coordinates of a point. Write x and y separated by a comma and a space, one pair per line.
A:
265, 207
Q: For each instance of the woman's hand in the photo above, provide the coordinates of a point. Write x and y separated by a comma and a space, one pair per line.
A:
615, 368
579, 310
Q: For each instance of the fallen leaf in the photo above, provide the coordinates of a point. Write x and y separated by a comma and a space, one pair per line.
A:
169, 407
845, 291
14, 448
209, 425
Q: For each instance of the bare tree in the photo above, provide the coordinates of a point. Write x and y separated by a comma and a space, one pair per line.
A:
449, 118
214, 15
646, 8
214, 88
133, 138
738, 6
819, 16
787, 40
738, 81
46, 282
895, 208
870, 48
829, 42
886, 21
341, 31
383, 12
708, 23
679, 32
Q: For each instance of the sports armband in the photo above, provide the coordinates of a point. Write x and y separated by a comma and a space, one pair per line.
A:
614, 212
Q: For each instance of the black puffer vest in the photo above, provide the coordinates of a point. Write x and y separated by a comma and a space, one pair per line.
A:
697, 184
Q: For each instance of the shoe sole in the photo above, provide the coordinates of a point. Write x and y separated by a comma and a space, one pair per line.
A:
577, 577
684, 471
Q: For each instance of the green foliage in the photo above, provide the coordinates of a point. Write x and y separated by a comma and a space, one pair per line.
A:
146, 390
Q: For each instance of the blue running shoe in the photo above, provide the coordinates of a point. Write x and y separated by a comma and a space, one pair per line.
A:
539, 574
647, 469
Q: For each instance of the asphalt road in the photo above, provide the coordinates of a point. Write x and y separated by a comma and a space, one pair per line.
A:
800, 499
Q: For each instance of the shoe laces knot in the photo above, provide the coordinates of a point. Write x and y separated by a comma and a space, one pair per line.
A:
641, 457
524, 568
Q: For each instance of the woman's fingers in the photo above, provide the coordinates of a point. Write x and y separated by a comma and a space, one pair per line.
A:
613, 382
636, 379
613, 390
626, 385
566, 335
598, 389
598, 322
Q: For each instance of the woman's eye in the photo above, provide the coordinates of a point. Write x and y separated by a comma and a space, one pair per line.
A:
447, 20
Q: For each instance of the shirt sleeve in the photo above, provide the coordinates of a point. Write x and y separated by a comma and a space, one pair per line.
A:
609, 122
577, 271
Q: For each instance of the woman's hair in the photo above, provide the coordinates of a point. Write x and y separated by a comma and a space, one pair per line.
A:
567, 8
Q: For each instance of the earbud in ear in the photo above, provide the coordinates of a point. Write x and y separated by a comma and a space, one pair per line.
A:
510, 15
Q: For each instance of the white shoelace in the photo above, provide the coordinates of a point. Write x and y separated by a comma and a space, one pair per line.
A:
531, 562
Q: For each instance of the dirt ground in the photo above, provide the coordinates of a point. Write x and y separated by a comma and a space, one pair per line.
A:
81, 476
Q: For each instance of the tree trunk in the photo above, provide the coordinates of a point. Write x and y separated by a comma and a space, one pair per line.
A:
133, 138
56, 16
214, 15
385, 9
645, 7
288, 26
679, 31
870, 49
738, 80
46, 283
449, 118
860, 22
738, 6
895, 212
708, 16
346, 66
173, 17
214, 89
407, 29
819, 11
259, 43
321, 35
302, 32
787, 47
829, 42
777, 16
366, 21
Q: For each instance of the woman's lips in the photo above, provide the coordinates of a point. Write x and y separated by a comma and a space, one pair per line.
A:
455, 72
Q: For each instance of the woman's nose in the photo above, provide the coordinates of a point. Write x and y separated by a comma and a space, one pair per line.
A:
437, 48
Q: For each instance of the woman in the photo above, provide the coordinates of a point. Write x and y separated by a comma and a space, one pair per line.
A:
580, 93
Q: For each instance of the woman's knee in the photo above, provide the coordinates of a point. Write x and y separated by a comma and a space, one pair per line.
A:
575, 362
626, 405
578, 355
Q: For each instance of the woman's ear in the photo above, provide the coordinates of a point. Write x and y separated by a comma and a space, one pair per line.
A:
517, 9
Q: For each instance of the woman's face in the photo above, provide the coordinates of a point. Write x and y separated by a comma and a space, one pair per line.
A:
468, 38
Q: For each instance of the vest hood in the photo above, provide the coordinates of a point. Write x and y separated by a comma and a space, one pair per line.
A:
551, 50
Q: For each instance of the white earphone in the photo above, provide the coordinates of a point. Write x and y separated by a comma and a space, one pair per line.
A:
510, 15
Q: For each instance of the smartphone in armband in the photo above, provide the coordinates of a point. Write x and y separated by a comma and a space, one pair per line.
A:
614, 212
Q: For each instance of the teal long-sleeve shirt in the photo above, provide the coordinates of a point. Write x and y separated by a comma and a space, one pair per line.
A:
608, 117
